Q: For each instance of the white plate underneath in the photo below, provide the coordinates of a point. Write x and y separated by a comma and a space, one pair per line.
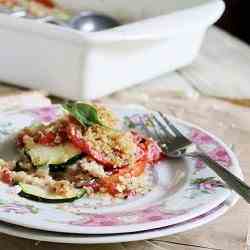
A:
40, 235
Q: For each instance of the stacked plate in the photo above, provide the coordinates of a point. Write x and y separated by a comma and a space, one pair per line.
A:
186, 194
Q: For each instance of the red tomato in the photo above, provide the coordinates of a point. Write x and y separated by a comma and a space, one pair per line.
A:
19, 140
151, 151
148, 149
6, 176
138, 168
47, 3
47, 139
95, 186
111, 182
75, 135
44, 136
21, 136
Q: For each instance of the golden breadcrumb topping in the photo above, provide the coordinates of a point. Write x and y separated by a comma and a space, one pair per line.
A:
92, 167
105, 115
62, 187
117, 147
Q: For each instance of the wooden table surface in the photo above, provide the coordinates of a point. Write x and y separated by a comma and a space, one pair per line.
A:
181, 94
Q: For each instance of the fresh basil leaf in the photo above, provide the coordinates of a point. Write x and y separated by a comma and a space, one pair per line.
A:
68, 106
84, 113
88, 113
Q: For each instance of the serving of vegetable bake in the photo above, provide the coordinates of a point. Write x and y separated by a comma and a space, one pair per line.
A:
84, 152
38, 8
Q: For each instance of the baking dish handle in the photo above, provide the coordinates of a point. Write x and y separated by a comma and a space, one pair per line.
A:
165, 26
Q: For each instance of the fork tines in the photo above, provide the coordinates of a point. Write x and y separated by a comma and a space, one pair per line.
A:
167, 135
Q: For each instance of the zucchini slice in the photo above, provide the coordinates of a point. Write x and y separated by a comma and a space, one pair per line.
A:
44, 155
36, 193
62, 166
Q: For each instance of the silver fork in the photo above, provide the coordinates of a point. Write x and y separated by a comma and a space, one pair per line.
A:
174, 144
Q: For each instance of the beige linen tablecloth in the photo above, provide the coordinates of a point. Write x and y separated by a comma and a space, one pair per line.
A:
174, 94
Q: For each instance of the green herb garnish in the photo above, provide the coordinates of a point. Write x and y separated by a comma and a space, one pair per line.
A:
82, 112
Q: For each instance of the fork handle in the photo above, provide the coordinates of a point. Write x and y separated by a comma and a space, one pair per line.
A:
231, 180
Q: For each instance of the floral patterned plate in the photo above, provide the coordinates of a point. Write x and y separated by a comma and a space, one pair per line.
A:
182, 190
115, 238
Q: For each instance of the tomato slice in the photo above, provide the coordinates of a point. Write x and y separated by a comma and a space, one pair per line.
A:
110, 182
95, 186
75, 135
147, 148
138, 168
49, 135
19, 140
149, 153
47, 139
47, 3
43, 137
6, 175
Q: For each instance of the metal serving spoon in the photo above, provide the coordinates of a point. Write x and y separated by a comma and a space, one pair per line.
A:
88, 21
92, 21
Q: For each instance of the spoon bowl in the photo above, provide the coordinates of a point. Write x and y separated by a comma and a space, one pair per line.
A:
88, 21
92, 22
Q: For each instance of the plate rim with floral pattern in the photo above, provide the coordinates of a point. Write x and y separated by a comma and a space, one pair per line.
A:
202, 194
55, 237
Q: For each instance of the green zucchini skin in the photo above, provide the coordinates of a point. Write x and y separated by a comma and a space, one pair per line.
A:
61, 167
32, 192
54, 167
41, 155
44, 200
18, 168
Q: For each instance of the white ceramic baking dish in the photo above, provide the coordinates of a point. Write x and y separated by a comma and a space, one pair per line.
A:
157, 36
